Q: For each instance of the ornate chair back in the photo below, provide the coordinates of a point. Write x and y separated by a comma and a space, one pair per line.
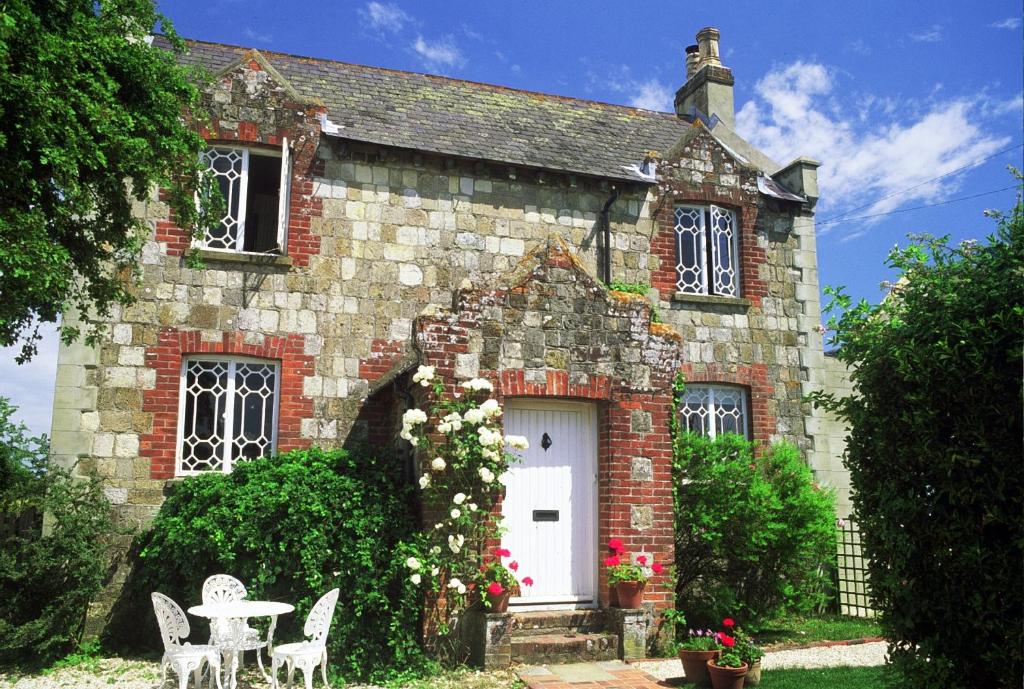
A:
223, 588
172, 620
318, 622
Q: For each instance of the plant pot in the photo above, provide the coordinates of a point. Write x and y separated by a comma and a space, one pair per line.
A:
630, 593
727, 677
498, 603
695, 665
613, 596
753, 677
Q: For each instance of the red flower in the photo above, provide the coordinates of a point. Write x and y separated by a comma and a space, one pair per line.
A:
727, 640
657, 568
527, 581
496, 588
615, 545
728, 622
513, 565
502, 552
612, 561
641, 560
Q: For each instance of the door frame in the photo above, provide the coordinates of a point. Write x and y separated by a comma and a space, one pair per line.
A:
591, 409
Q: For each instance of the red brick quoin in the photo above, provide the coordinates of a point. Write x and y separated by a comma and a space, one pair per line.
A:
165, 357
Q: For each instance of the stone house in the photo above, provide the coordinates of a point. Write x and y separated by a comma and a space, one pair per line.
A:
378, 219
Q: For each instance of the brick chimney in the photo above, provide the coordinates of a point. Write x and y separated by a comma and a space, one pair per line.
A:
708, 86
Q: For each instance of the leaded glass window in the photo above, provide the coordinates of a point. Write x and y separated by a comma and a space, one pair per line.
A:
228, 413
707, 250
714, 409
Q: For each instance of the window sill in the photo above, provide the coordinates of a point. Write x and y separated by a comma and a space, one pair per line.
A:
244, 258
686, 297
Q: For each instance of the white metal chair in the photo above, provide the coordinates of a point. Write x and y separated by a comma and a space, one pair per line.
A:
224, 588
184, 658
306, 655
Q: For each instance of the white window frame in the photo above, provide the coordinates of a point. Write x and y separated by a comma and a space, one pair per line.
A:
706, 233
284, 188
711, 409
227, 464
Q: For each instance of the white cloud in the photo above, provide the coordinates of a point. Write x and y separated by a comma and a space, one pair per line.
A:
1008, 23
859, 46
439, 53
258, 37
797, 111
652, 95
384, 17
29, 386
932, 34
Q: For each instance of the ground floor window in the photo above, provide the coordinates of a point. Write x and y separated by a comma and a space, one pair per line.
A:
227, 412
714, 409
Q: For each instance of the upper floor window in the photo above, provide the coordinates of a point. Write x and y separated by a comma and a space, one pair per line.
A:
227, 412
714, 409
707, 251
254, 184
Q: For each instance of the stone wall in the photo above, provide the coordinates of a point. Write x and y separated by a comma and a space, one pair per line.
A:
830, 437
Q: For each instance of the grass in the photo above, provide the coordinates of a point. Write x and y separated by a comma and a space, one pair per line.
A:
806, 630
827, 678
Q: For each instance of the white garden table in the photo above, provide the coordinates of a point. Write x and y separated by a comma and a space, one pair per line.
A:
236, 613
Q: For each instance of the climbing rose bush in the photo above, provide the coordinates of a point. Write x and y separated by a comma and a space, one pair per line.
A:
464, 459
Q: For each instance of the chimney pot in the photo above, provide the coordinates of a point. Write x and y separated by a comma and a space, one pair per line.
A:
692, 60
707, 42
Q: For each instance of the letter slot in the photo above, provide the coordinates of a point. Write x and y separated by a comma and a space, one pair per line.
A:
545, 515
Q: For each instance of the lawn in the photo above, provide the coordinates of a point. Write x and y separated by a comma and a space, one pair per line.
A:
827, 678
787, 631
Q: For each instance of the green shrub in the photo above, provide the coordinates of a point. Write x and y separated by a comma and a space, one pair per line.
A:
751, 531
934, 454
46, 579
291, 528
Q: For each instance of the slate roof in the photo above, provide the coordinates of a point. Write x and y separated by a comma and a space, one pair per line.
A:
466, 119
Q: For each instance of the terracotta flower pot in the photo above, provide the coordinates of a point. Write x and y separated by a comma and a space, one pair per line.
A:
695, 665
630, 593
613, 596
727, 677
499, 602
753, 677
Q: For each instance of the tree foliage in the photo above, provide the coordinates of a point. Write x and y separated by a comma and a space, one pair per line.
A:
47, 579
752, 530
291, 528
91, 117
935, 451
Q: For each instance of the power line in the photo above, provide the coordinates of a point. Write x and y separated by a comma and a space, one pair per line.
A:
915, 208
920, 184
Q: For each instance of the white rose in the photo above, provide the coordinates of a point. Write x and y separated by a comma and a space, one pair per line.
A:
434, 571
454, 583
488, 453
455, 514
423, 375
459, 498
438, 464
517, 442
413, 417
416, 579
436, 550
478, 384
474, 416
490, 408
472, 507
444, 427
486, 475
462, 589
412, 563
414, 441
424, 481
438, 525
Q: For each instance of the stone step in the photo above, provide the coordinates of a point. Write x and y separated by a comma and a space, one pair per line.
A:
540, 649
558, 621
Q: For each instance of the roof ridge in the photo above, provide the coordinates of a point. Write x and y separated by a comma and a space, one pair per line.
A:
477, 84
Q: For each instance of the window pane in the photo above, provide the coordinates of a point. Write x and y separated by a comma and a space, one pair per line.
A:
202, 446
254, 410
261, 206
694, 410
712, 410
226, 165
690, 250
723, 253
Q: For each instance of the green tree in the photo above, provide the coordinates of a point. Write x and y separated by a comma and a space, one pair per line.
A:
934, 453
91, 118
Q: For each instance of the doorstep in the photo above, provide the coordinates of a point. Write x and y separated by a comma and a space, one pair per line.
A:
612, 674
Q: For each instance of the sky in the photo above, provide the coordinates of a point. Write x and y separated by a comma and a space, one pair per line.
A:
906, 104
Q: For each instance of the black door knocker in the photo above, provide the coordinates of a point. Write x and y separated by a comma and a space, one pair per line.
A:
545, 442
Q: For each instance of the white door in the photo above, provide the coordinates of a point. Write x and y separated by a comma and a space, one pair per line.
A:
550, 505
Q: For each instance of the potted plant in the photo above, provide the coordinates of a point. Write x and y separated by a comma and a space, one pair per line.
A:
701, 645
751, 654
498, 581
727, 671
628, 577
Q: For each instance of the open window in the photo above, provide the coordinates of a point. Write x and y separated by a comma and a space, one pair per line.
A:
254, 184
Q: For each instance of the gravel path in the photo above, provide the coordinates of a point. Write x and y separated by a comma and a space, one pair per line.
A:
820, 656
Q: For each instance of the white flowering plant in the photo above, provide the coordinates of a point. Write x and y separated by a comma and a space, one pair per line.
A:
464, 460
